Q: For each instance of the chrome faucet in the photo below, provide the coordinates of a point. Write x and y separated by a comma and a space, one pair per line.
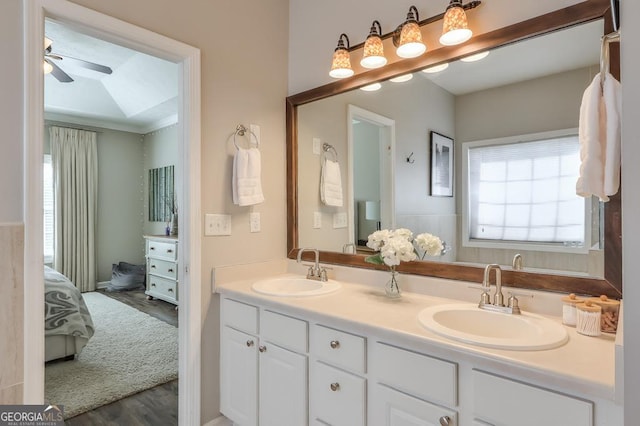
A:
498, 298
346, 247
315, 272
517, 262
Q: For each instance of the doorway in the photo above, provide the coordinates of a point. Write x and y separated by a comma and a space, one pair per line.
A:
188, 58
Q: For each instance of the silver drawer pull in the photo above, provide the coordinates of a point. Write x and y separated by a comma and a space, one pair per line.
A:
249, 343
335, 344
335, 387
153, 266
153, 284
152, 248
170, 290
445, 421
262, 348
170, 270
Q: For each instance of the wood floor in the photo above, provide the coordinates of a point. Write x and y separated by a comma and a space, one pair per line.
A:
157, 406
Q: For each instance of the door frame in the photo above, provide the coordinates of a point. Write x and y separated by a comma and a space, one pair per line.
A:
189, 253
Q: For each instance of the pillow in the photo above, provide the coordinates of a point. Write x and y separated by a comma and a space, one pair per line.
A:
126, 276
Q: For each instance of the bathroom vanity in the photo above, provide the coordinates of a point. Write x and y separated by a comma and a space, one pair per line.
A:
354, 357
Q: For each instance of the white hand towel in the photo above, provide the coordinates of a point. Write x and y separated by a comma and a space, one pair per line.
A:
613, 107
331, 183
245, 182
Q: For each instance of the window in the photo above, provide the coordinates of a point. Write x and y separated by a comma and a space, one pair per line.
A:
48, 209
524, 192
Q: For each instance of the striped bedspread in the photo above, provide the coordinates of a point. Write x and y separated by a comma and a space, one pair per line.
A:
65, 312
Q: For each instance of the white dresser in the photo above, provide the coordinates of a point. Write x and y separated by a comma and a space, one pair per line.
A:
162, 268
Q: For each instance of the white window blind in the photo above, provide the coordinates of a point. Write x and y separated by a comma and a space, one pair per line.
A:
48, 209
525, 192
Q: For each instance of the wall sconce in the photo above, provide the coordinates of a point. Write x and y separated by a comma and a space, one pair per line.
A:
455, 29
373, 56
341, 63
408, 38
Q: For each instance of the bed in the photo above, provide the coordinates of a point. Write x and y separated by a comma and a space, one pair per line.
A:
67, 322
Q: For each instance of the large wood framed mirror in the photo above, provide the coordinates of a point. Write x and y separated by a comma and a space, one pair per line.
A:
331, 113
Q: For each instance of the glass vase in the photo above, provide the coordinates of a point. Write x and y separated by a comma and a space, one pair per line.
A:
391, 288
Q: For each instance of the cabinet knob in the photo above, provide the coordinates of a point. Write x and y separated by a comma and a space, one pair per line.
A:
170, 270
152, 248
262, 348
335, 387
153, 266
169, 251
170, 290
153, 284
445, 421
249, 343
334, 344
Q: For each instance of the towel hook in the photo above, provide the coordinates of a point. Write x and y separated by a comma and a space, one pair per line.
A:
410, 160
329, 148
240, 131
604, 53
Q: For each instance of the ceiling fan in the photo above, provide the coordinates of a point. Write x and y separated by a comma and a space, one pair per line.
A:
51, 67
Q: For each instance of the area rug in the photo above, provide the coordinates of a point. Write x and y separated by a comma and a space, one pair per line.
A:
129, 352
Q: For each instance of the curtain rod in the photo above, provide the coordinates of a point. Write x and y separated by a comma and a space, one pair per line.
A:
90, 129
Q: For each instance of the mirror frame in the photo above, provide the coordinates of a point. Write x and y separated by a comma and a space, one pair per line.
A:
583, 12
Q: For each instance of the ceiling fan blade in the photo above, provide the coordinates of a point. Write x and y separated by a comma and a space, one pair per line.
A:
86, 64
60, 75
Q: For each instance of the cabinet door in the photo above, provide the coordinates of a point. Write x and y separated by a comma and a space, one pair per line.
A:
239, 376
337, 397
283, 387
392, 408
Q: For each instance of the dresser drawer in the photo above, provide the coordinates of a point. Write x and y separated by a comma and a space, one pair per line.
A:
339, 348
240, 316
337, 397
502, 401
164, 268
162, 287
426, 377
162, 250
284, 331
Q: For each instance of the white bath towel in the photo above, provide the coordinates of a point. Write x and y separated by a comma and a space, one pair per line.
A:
599, 135
246, 182
331, 183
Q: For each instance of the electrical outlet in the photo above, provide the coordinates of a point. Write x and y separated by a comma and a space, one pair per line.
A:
317, 220
340, 220
254, 221
255, 129
217, 224
317, 146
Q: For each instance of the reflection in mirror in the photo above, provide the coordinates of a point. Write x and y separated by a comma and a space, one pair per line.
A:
516, 93
161, 194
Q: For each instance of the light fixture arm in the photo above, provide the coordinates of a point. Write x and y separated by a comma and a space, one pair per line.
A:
341, 42
411, 16
376, 29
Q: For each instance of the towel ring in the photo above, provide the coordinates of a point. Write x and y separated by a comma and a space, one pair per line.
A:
329, 148
240, 131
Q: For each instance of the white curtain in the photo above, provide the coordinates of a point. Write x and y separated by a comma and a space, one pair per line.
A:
74, 159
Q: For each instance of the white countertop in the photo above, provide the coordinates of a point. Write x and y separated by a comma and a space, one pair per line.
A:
584, 365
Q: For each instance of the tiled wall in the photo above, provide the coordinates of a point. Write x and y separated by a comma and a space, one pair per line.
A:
11, 313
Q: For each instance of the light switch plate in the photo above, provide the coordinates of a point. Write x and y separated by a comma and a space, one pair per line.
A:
255, 129
217, 224
254, 221
317, 146
340, 220
317, 220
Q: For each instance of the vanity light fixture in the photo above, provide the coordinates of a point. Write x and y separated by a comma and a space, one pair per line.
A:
476, 57
436, 68
402, 78
455, 29
341, 63
371, 87
373, 56
408, 38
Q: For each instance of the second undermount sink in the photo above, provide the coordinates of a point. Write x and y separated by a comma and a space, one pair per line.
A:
292, 286
469, 324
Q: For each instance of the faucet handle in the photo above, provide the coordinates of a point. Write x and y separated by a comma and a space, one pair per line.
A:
513, 304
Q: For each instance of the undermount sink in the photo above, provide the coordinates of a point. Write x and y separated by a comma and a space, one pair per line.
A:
294, 286
469, 324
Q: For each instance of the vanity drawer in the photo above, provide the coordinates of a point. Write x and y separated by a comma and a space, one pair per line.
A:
426, 377
285, 331
159, 287
339, 348
161, 249
337, 397
240, 316
165, 268
502, 401
390, 407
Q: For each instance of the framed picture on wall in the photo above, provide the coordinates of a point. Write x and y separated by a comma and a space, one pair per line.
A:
441, 165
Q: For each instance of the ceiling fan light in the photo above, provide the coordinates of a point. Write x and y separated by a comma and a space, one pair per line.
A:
47, 67
455, 28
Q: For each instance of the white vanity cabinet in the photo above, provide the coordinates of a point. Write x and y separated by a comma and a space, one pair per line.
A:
411, 388
263, 366
162, 268
337, 389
